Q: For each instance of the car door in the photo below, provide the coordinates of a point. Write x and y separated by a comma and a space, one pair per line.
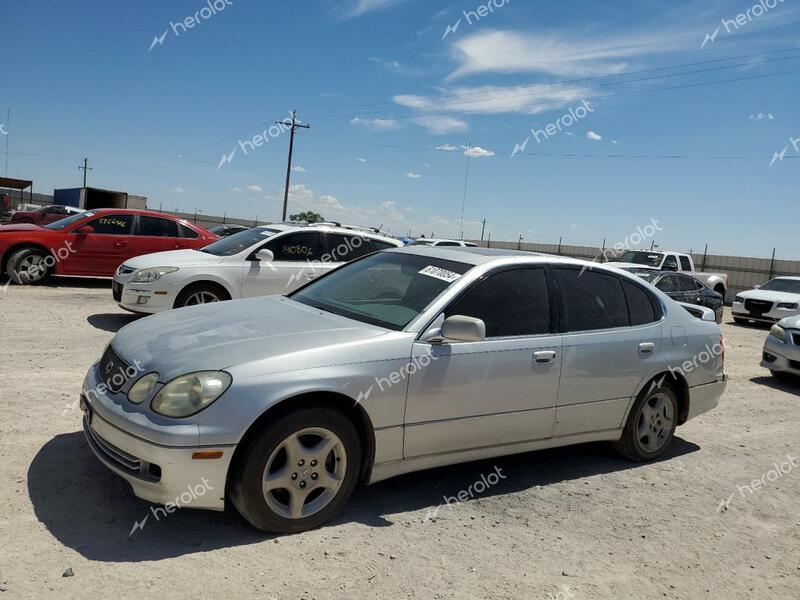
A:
501, 390
100, 253
297, 259
150, 235
611, 341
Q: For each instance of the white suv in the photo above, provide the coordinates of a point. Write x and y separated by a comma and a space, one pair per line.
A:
439, 243
274, 259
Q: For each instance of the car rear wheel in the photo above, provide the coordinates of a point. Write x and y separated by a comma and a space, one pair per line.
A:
205, 293
651, 424
298, 472
30, 266
782, 375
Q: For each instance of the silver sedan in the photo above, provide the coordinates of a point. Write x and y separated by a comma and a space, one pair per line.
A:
400, 361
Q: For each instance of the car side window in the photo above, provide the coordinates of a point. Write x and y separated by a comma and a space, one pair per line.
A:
670, 263
112, 225
510, 303
56, 210
641, 305
686, 264
187, 232
344, 248
686, 284
296, 247
592, 300
667, 284
382, 245
156, 227
447, 244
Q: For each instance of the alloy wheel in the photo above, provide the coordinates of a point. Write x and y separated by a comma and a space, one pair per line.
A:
655, 422
201, 297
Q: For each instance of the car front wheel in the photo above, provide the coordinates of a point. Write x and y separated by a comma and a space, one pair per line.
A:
30, 266
298, 472
651, 424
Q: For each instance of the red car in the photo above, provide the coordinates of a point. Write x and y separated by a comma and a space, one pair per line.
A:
44, 215
93, 243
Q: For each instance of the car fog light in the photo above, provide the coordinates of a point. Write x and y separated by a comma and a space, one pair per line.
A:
142, 300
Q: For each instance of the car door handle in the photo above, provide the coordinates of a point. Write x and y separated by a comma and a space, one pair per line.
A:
120, 244
647, 348
546, 356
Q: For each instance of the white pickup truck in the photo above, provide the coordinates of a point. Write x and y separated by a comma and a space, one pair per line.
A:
670, 261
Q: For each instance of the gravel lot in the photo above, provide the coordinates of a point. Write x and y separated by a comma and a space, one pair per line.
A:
571, 523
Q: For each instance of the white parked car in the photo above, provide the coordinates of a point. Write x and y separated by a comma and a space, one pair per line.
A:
775, 300
274, 259
439, 243
782, 349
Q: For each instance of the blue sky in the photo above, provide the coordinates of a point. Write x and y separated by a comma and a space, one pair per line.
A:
384, 84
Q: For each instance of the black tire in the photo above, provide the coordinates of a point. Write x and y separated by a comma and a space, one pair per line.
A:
247, 474
631, 444
740, 321
190, 292
721, 291
28, 266
782, 376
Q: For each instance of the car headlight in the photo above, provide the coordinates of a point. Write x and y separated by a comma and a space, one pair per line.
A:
140, 391
187, 395
789, 305
152, 274
738, 299
778, 333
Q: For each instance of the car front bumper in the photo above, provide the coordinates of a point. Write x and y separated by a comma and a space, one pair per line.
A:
773, 316
159, 473
781, 357
147, 298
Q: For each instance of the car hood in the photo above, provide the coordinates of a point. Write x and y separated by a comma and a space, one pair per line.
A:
770, 295
790, 322
19, 227
624, 265
174, 258
226, 334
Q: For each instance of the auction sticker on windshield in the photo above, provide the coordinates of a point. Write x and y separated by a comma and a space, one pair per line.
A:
440, 273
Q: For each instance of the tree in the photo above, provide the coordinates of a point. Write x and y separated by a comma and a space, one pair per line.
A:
307, 216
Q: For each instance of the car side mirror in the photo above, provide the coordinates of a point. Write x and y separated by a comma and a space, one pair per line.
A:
85, 230
265, 256
463, 329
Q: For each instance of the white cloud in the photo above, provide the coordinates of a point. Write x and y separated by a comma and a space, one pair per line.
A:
477, 152
300, 192
490, 99
614, 142
413, 175
178, 190
298, 169
255, 188
363, 160
330, 202
441, 125
361, 7
377, 124
595, 137
447, 148
761, 116
386, 64
570, 54
237, 190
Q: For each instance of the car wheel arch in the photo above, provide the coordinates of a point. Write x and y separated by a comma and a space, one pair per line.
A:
223, 287
22, 246
679, 385
347, 405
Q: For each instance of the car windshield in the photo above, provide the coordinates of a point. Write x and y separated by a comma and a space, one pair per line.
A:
638, 257
239, 242
388, 289
783, 285
67, 221
421, 243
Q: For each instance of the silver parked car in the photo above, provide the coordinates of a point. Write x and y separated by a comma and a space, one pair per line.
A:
399, 361
782, 349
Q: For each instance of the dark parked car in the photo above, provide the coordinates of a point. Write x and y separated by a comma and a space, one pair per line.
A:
685, 288
44, 215
227, 229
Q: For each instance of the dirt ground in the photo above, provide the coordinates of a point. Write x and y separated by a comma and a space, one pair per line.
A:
575, 523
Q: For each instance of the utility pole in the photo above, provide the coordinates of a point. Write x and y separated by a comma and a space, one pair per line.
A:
85, 168
294, 126
483, 228
466, 183
7, 136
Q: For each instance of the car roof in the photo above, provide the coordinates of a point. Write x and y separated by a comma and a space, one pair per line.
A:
133, 211
792, 277
480, 256
330, 229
